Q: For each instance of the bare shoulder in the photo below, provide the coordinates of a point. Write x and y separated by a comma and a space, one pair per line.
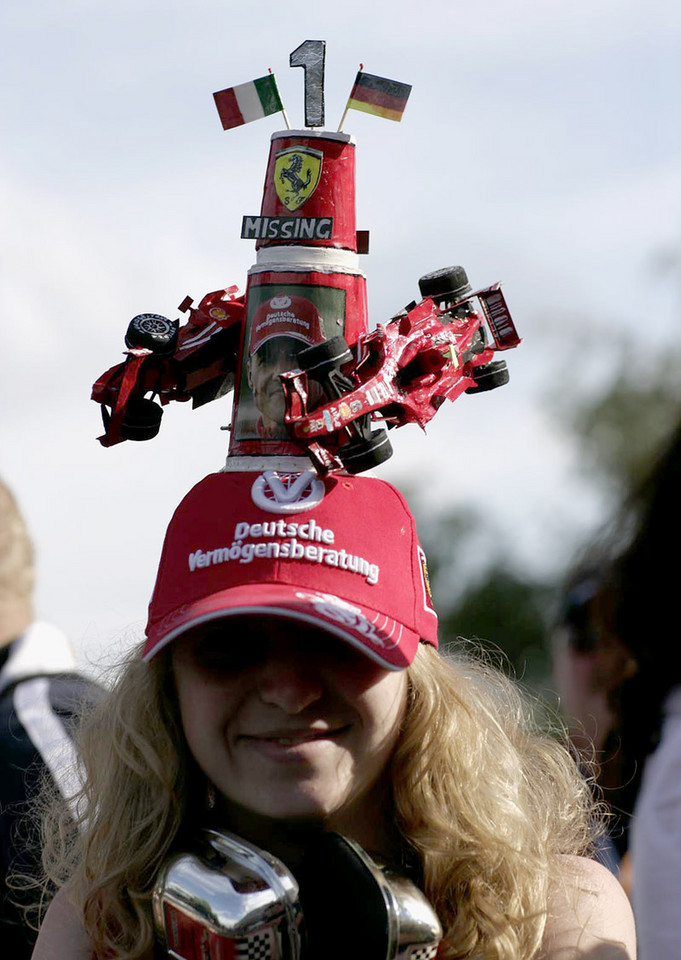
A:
590, 915
62, 936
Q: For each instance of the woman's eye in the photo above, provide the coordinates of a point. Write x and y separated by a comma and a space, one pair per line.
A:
223, 657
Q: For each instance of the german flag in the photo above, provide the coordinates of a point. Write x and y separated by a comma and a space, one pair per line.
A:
377, 95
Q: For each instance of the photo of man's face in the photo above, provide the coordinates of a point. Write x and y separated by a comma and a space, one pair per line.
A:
282, 321
264, 366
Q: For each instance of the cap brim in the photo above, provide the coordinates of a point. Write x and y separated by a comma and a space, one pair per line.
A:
289, 335
387, 642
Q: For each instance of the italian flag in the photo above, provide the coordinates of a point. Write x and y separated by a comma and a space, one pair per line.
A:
248, 101
378, 95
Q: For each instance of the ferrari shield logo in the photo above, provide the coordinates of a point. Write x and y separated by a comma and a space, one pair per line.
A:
296, 174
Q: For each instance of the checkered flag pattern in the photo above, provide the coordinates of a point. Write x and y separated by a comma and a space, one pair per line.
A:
259, 946
424, 953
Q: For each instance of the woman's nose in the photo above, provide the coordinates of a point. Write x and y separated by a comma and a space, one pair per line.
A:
289, 687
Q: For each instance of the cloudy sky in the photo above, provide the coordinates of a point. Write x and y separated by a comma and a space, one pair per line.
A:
540, 146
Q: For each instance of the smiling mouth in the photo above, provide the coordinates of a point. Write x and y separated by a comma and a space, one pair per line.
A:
295, 738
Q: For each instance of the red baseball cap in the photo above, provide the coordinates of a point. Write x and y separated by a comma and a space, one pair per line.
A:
340, 553
285, 316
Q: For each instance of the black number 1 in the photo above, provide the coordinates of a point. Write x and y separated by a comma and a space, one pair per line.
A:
310, 56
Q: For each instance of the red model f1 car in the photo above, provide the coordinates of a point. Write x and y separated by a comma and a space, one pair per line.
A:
194, 362
399, 373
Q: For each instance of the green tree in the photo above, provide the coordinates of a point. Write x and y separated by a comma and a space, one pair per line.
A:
480, 597
617, 424
505, 612
619, 428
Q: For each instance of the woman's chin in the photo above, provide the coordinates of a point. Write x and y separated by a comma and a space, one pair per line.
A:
277, 812
305, 810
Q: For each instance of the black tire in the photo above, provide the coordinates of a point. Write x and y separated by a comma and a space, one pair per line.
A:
360, 454
449, 283
141, 420
321, 359
151, 331
489, 377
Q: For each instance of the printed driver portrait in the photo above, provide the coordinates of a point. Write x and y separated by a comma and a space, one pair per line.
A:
281, 327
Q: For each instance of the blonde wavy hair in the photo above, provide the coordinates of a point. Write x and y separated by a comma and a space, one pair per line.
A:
484, 798
16, 569
489, 801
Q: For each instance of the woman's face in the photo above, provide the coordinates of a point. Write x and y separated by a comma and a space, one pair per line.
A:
286, 720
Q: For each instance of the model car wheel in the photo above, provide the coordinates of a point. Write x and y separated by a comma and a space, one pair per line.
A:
151, 331
321, 359
360, 455
489, 376
141, 420
450, 283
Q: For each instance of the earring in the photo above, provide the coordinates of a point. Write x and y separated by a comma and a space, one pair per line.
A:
210, 796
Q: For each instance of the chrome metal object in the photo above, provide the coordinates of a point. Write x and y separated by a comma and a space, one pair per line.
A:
228, 900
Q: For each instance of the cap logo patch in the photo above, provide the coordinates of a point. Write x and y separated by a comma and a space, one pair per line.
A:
428, 604
347, 615
277, 492
286, 318
284, 540
280, 303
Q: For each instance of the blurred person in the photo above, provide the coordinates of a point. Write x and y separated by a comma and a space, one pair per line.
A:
638, 614
620, 677
575, 664
290, 685
40, 696
589, 665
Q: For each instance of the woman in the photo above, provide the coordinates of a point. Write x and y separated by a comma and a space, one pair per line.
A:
639, 672
290, 685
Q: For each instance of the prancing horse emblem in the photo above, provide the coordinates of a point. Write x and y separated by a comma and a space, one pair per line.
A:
296, 174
